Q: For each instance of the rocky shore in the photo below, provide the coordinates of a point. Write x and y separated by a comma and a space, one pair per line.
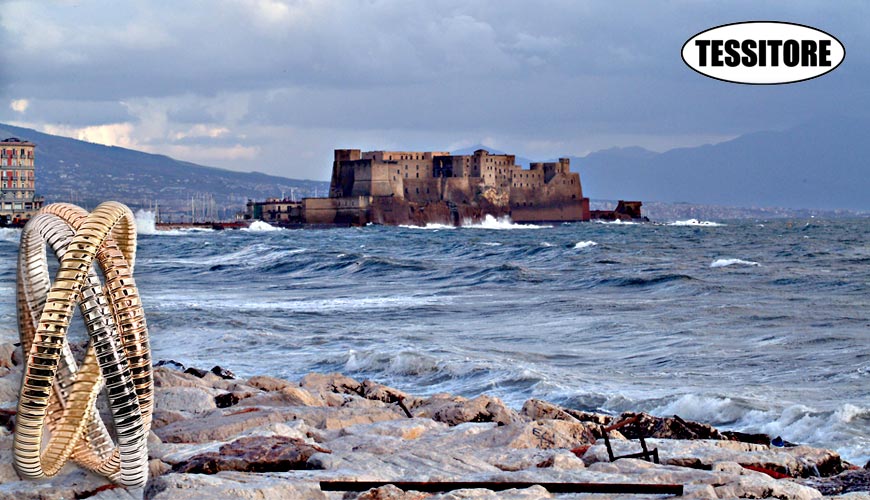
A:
217, 436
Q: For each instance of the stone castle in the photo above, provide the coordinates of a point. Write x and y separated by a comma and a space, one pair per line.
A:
410, 187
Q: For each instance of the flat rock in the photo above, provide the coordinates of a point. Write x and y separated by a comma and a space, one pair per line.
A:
267, 383
231, 485
331, 382
161, 418
286, 396
219, 426
411, 428
798, 461
846, 482
71, 482
536, 409
253, 454
453, 410
165, 377
543, 434
189, 400
10, 384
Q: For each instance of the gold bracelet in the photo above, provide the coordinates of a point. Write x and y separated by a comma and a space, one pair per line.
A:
54, 393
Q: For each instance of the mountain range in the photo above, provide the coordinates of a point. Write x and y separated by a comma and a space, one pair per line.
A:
816, 165
822, 164
86, 173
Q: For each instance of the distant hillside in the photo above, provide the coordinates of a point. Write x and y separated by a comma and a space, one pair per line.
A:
87, 173
818, 165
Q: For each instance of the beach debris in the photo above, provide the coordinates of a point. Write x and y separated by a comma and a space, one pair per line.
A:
401, 403
646, 454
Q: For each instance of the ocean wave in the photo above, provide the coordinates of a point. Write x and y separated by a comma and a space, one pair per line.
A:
146, 225
840, 428
733, 262
584, 244
713, 409
834, 429
616, 222
645, 282
695, 222
430, 226
259, 226
502, 223
10, 234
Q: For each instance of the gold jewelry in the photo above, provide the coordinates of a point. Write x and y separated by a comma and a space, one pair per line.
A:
57, 395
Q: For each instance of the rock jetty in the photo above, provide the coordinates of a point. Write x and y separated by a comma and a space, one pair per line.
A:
218, 436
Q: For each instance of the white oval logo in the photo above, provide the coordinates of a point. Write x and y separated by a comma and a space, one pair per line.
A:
763, 52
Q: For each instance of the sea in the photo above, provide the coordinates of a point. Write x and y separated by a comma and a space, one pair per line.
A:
750, 325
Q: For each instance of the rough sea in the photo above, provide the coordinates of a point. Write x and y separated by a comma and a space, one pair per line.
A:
760, 326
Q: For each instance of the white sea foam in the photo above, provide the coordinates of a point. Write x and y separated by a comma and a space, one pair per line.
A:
695, 222
502, 223
616, 222
313, 305
703, 408
733, 262
10, 234
796, 423
430, 226
259, 226
584, 244
145, 222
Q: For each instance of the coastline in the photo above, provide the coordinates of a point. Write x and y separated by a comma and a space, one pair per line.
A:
217, 436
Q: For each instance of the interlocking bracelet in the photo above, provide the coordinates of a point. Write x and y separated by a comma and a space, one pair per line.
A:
58, 396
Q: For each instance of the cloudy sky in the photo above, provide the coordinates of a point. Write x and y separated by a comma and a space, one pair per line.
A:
275, 85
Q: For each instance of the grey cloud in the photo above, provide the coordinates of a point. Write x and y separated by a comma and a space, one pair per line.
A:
424, 73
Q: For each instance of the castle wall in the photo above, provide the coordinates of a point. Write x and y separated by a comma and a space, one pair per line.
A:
407, 187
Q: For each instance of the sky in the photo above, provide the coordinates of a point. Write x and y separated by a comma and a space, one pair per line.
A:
275, 85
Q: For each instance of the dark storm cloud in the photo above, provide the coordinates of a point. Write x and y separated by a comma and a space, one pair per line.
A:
295, 78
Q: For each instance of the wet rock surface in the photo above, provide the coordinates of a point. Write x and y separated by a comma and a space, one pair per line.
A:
219, 437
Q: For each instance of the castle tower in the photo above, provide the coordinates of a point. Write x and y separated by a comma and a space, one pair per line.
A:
18, 200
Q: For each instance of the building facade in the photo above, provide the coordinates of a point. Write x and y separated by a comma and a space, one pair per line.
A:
412, 187
18, 200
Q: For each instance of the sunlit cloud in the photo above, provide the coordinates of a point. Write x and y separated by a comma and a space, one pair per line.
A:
19, 105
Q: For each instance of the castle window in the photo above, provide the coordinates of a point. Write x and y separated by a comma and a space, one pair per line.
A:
406, 175
418, 175
418, 190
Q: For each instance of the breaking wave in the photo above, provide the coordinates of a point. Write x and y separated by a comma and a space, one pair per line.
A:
431, 226
796, 423
145, 222
733, 262
616, 222
584, 244
10, 234
502, 223
695, 222
259, 226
